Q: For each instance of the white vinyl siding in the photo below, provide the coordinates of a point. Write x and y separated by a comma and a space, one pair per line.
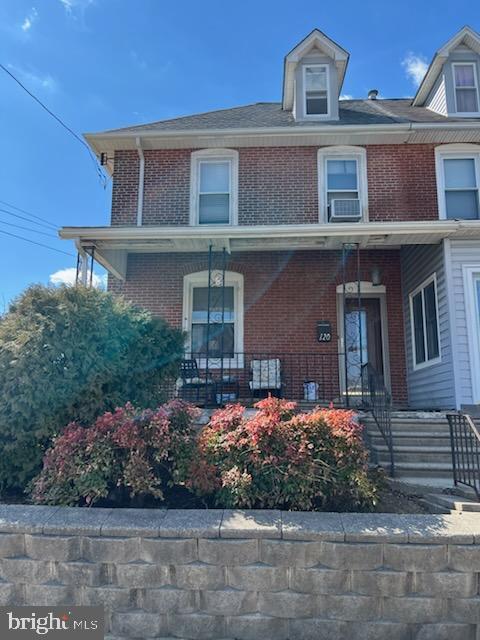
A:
429, 387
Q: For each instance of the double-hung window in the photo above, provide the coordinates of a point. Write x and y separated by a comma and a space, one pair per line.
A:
466, 87
219, 334
213, 318
214, 180
424, 324
315, 79
461, 188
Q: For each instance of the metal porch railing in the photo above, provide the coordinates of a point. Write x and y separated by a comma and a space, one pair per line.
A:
377, 399
465, 444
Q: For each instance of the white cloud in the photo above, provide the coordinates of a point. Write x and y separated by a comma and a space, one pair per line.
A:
30, 18
71, 5
68, 276
346, 96
415, 67
44, 81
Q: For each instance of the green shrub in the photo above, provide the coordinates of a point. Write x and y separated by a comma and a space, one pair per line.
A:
69, 354
278, 459
126, 453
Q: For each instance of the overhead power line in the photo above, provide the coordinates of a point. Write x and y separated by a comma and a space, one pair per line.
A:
40, 244
39, 224
60, 122
28, 213
19, 226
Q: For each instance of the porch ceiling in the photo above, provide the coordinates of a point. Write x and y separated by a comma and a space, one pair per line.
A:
112, 244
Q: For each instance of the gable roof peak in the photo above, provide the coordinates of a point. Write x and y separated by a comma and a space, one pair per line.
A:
467, 36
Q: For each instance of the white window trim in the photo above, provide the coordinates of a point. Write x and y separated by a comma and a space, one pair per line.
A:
315, 116
200, 279
222, 155
470, 272
453, 152
411, 295
465, 114
342, 153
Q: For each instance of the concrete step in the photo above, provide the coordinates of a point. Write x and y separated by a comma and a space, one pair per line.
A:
414, 453
410, 441
439, 470
422, 485
412, 426
453, 503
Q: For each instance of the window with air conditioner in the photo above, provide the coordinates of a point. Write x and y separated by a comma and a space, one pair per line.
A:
342, 184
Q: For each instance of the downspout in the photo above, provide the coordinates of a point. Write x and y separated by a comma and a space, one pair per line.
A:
141, 181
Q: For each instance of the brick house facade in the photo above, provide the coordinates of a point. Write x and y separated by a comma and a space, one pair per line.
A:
279, 172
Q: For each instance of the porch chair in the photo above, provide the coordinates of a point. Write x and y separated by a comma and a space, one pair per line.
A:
192, 387
266, 377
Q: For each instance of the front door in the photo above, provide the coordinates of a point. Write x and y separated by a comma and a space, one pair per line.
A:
364, 339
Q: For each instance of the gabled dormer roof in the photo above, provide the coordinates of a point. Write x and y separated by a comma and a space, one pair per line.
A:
315, 41
466, 36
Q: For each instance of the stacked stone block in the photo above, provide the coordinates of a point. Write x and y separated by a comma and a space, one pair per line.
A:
248, 575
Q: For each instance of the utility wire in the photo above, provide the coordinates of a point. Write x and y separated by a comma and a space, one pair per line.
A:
39, 224
19, 226
40, 244
28, 213
60, 122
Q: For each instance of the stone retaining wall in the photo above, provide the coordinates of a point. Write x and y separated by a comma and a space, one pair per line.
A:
249, 574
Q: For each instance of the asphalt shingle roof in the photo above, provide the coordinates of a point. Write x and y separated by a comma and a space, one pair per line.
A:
271, 114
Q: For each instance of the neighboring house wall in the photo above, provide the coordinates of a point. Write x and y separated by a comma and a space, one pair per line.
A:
463, 254
432, 386
277, 185
285, 294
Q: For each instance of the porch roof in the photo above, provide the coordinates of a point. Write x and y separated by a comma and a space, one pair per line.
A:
113, 244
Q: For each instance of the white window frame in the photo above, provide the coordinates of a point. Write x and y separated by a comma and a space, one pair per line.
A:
200, 279
453, 152
304, 81
470, 273
359, 154
468, 63
213, 155
411, 295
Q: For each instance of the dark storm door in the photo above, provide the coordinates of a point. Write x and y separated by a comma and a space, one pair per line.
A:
363, 339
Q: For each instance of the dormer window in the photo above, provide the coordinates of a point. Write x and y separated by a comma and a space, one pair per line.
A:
466, 87
316, 90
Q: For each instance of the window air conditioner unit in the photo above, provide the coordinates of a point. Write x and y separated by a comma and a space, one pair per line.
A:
345, 210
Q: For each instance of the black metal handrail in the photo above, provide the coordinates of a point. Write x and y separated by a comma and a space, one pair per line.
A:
377, 399
465, 444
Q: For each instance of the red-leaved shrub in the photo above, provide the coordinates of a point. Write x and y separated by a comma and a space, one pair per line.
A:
279, 459
128, 451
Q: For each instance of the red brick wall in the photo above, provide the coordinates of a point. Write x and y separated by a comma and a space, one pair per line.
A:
402, 182
277, 185
285, 294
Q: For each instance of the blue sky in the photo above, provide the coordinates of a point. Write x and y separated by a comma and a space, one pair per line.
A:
107, 63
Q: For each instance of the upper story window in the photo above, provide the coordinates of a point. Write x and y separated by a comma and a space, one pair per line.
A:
342, 184
214, 187
424, 320
315, 81
466, 87
458, 179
